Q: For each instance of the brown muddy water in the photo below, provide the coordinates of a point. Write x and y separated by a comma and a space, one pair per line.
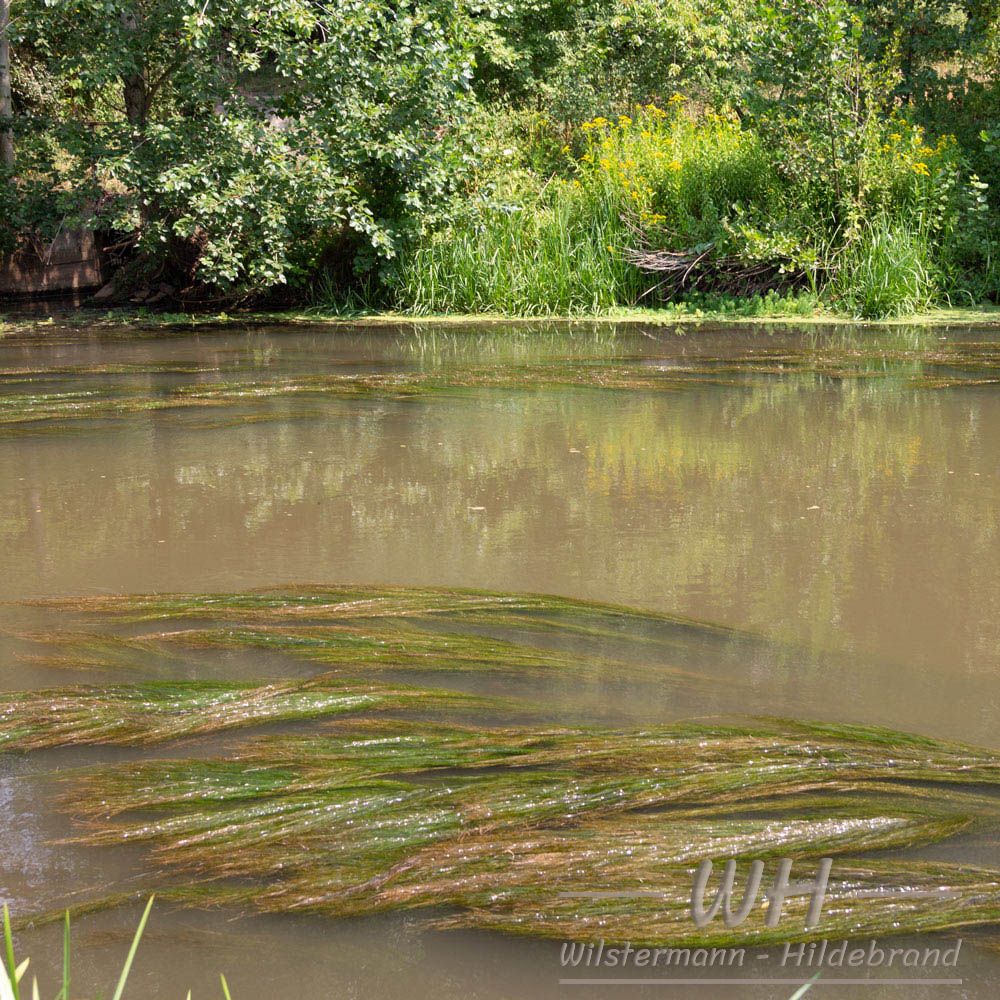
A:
835, 492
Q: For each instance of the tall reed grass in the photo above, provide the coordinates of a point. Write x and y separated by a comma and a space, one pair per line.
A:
12, 972
551, 252
886, 272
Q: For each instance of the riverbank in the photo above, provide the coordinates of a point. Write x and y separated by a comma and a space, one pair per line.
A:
18, 321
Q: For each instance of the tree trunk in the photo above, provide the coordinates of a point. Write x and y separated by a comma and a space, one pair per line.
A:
135, 95
134, 86
134, 90
6, 109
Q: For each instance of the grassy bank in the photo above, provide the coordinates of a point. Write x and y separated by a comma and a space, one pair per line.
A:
688, 315
561, 159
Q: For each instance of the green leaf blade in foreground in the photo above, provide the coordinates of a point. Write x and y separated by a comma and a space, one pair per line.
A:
133, 948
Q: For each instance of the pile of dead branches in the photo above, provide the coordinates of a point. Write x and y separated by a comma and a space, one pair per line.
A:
702, 268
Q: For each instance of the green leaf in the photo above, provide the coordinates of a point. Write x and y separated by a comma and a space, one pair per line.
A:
127, 968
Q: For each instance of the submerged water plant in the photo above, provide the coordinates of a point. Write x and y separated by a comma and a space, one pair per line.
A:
352, 603
136, 714
361, 631
36, 398
526, 827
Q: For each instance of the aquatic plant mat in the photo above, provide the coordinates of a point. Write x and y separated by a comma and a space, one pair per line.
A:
418, 798
369, 632
443, 364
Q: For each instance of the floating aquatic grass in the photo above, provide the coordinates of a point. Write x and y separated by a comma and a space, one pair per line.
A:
110, 391
137, 714
374, 646
589, 873
361, 631
344, 604
500, 824
370, 647
36, 407
359, 648
333, 602
690, 753
93, 651
864, 900
313, 850
515, 828
665, 764
656, 766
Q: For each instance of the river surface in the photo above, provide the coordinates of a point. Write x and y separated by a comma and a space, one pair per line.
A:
847, 512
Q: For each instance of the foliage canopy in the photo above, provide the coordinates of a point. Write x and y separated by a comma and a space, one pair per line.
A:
234, 148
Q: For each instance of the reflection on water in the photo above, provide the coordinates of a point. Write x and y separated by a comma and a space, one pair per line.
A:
829, 498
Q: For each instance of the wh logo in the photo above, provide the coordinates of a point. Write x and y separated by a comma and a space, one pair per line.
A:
780, 890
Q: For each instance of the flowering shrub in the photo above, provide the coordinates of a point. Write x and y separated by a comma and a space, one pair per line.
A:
918, 196
681, 176
903, 175
692, 182
704, 184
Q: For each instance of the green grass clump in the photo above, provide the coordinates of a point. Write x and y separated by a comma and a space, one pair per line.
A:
886, 272
551, 252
